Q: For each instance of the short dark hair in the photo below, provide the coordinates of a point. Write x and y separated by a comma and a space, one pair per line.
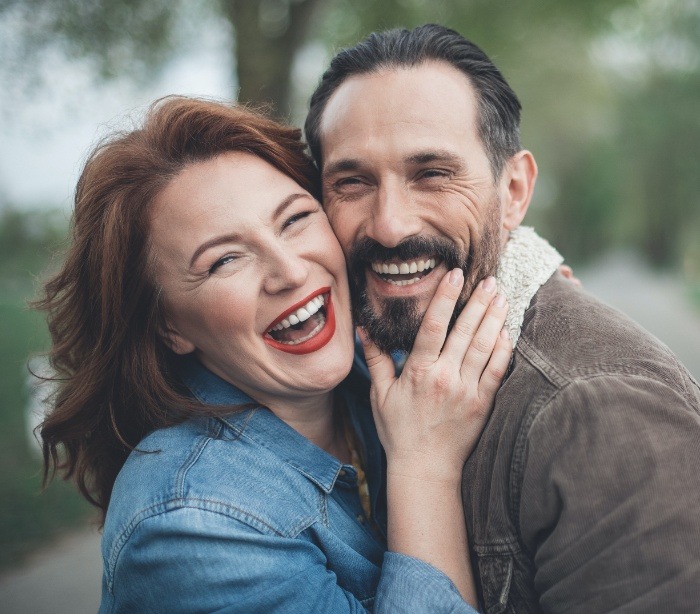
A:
498, 122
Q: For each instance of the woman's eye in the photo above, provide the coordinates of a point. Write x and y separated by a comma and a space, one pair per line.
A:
296, 217
221, 262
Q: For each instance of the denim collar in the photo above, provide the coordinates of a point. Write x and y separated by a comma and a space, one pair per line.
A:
259, 424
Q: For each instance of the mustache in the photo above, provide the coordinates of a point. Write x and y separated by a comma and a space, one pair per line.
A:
367, 250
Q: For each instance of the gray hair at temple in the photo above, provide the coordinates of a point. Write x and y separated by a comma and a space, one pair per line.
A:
498, 106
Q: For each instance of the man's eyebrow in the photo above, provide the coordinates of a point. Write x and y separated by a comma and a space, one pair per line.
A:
231, 237
341, 166
433, 155
421, 157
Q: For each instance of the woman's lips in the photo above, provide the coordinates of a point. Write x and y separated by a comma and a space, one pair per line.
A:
318, 336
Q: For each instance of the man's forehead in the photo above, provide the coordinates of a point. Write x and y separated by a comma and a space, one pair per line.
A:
428, 101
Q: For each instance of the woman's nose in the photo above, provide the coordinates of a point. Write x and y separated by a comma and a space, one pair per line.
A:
286, 270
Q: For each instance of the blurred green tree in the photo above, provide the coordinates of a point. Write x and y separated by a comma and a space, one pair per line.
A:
136, 37
609, 87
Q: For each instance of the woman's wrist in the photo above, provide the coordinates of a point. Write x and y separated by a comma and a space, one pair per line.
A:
440, 472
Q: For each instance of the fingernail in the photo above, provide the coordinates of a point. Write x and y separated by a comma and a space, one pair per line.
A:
499, 301
362, 334
505, 334
489, 285
456, 276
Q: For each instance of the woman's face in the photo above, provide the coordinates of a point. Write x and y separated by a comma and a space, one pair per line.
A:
253, 278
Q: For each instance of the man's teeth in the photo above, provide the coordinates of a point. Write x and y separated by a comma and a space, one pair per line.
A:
403, 268
302, 314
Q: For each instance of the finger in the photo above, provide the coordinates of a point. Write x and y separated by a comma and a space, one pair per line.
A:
468, 321
568, 273
496, 368
381, 367
485, 339
433, 328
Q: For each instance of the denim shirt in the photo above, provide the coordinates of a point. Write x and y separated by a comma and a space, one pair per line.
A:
244, 514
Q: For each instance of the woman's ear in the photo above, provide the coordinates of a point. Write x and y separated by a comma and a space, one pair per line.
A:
519, 184
175, 341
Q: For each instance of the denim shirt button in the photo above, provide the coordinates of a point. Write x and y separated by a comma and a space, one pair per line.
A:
360, 519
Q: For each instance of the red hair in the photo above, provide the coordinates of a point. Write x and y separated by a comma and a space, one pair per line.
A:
113, 370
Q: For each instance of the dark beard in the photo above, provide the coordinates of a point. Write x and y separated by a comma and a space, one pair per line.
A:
395, 325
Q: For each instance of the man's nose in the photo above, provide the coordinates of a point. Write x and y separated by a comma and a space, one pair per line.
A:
394, 216
286, 270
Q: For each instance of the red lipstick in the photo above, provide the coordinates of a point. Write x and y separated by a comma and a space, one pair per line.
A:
318, 340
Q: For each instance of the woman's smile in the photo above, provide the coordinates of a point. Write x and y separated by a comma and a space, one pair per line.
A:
305, 327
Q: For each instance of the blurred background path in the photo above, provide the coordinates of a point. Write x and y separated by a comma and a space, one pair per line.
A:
65, 578
660, 302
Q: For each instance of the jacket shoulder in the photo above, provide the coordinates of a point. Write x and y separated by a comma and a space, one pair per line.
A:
201, 464
569, 335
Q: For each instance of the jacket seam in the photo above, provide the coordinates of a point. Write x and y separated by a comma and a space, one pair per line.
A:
194, 456
178, 503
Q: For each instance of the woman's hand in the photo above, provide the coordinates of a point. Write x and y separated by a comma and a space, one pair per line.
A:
430, 418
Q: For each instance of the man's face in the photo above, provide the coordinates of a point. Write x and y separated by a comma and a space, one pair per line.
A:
409, 191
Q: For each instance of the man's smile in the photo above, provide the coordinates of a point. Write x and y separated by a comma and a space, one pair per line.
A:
404, 273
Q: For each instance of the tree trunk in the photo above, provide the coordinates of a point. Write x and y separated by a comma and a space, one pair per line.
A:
268, 34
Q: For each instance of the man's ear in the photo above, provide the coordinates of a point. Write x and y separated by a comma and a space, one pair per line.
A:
175, 341
519, 178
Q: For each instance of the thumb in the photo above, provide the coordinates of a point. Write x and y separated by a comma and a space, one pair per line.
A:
381, 367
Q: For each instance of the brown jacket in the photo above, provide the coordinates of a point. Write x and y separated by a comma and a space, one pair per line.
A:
583, 494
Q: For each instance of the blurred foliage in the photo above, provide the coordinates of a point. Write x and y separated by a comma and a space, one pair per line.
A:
28, 517
610, 89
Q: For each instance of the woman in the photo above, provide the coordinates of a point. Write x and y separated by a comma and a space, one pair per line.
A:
202, 337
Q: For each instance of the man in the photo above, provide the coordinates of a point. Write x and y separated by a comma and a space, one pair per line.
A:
583, 494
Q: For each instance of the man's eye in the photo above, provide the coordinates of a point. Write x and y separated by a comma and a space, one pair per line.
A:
348, 182
432, 173
221, 262
350, 186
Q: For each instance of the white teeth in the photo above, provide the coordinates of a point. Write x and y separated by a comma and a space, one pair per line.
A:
313, 333
404, 268
404, 282
302, 314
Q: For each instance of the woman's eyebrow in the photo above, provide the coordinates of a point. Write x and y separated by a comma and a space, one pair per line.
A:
279, 210
232, 237
213, 242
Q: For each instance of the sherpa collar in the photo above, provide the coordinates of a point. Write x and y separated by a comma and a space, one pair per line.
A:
526, 263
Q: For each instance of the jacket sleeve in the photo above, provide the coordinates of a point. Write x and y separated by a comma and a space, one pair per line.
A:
197, 560
610, 502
